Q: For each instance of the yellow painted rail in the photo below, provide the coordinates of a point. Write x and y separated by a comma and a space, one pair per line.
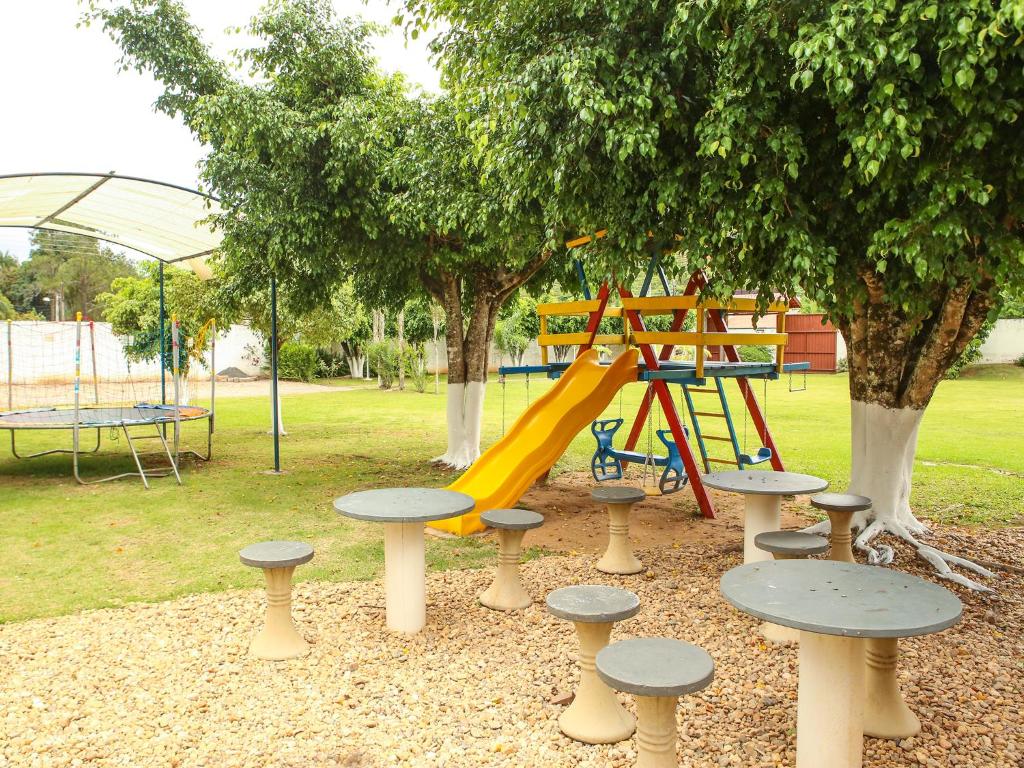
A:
699, 338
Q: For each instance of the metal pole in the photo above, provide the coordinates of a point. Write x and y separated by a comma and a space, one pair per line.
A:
95, 374
10, 369
78, 381
163, 366
175, 355
213, 373
273, 372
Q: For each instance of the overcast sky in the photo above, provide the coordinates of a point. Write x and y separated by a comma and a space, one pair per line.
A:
66, 107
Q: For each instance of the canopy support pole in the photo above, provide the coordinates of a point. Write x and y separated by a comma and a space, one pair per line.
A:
273, 372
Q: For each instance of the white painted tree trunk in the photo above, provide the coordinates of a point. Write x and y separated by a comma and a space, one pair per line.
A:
355, 367
464, 415
884, 443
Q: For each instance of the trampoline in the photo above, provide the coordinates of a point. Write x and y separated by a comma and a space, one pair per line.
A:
100, 417
115, 418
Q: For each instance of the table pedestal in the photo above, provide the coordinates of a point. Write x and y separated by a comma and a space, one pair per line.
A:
776, 633
278, 639
656, 731
405, 589
830, 705
840, 537
507, 593
595, 715
619, 557
761, 513
886, 714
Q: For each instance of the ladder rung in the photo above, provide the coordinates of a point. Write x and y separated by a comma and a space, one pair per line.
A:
722, 461
702, 389
705, 413
715, 437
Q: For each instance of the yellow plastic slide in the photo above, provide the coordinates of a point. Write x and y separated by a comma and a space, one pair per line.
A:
539, 436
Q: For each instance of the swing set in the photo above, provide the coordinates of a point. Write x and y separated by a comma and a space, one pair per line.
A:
702, 391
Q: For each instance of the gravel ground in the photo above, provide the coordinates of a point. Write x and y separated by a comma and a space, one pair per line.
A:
171, 684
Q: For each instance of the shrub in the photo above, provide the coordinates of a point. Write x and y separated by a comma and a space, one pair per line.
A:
330, 365
1019, 362
842, 366
384, 361
297, 361
757, 354
416, 366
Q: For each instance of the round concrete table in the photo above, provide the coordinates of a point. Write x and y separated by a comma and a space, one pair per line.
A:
762, 500
403, 512
837, 607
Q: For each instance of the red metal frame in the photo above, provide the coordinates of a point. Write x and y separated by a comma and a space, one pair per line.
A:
668, 406
594, 321
659, 388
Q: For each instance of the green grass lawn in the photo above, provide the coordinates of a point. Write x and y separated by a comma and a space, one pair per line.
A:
67, 547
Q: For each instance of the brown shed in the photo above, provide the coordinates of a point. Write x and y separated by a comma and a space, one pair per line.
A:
812, 339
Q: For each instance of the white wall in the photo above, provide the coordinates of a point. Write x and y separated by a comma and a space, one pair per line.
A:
1006, 342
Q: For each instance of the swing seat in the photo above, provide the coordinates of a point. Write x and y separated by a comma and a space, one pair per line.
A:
674, 477
763, 454
605, 464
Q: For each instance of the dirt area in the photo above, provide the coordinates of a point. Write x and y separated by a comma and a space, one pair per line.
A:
173, 684
573, 523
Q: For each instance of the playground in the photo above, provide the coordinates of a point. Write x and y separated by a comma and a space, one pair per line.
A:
709, 476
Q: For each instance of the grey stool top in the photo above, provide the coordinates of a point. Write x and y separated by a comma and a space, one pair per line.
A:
840, 502
791, 543
765, 483
615, 494
404, 505
512, 519
655, 666
847, 599
276, 554
593, 603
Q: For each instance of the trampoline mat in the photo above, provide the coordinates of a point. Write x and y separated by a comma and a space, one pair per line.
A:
99, 416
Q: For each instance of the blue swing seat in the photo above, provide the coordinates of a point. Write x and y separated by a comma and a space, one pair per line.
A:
606, 463
762, 455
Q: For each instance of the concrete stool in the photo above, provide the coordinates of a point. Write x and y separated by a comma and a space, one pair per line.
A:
507, 593
840, 508
595, 715
787, 545
657, 671
278, 639
619, 557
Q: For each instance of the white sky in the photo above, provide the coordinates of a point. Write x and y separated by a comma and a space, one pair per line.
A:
66, 107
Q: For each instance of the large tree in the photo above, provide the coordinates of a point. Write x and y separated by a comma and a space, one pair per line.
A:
329, 170
867, 151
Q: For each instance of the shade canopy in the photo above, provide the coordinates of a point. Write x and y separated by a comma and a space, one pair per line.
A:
160, 220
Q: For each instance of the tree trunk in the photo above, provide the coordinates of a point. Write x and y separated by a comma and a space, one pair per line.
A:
377, 331
355, 366
401, 349
896, 363
468, 347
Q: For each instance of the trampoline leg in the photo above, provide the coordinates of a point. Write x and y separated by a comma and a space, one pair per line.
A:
167, 450
135, 455
14, 449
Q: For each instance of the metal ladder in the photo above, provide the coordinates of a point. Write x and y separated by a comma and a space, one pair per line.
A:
739, 458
